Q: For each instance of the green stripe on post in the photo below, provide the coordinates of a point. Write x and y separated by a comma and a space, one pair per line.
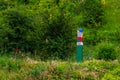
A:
79, 56
79, 52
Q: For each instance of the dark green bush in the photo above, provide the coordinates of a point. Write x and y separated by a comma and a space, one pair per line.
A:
3, 5
48, 28
93, 13
20, 29
44, 31
106, 51
58, 37
90, 37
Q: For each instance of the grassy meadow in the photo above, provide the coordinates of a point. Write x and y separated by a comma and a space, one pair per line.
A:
30, 69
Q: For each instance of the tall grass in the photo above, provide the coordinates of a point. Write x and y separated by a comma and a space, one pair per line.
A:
29, 69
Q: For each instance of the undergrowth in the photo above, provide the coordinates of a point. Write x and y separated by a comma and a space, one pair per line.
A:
30, 69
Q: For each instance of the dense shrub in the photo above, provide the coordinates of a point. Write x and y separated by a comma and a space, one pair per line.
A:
106, 51
48, 27
3, 5
93, 13
19, 28
58, 35
46, 32
90, 37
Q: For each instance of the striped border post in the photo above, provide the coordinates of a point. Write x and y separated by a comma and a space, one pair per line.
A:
79, 54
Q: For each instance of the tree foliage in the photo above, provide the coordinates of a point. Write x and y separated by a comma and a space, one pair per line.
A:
48, 27
93, 13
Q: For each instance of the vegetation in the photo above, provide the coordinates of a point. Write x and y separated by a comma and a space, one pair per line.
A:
107, 51
48, 28
38, 39
30, 69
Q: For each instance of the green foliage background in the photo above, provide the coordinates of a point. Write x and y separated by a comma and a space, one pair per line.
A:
48, 27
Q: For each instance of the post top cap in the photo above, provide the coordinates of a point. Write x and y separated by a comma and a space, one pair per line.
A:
80, 30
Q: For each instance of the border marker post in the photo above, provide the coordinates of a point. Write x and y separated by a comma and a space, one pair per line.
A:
79, 54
